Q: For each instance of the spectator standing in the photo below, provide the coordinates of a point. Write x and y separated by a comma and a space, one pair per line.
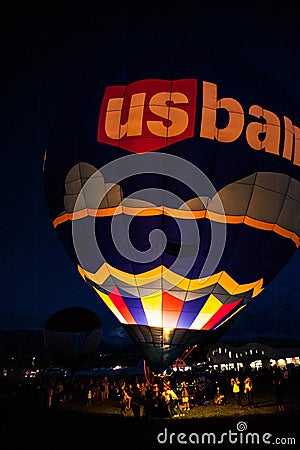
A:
248, 390
171, 401
50, 393
136, 402
123, 401
89, 396
129, 391
185, 397
148, 403
235, 384
105, 389
279, 393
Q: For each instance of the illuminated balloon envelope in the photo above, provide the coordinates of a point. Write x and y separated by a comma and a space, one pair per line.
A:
174, 186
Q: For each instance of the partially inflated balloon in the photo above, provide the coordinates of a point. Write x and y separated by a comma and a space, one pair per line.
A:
72, 334
173, 183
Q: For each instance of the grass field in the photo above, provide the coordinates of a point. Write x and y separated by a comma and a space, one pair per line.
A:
72, 425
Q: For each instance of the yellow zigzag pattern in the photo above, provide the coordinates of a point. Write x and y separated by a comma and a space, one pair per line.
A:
176, 280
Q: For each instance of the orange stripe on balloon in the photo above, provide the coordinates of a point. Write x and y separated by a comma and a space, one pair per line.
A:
179, 214
222, 218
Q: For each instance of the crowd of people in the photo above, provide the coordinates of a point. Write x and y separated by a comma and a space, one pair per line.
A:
149, 401
162, 397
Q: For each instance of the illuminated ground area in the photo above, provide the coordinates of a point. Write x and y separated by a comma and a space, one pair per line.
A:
265, 407
65, 426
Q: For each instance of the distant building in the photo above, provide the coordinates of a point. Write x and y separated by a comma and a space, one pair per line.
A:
254, 354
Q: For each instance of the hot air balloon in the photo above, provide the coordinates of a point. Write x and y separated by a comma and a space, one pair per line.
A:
73, 334
173, 183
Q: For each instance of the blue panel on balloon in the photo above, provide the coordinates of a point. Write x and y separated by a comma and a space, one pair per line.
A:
190, 311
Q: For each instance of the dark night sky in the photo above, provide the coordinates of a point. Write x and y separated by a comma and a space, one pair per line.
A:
46, 51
